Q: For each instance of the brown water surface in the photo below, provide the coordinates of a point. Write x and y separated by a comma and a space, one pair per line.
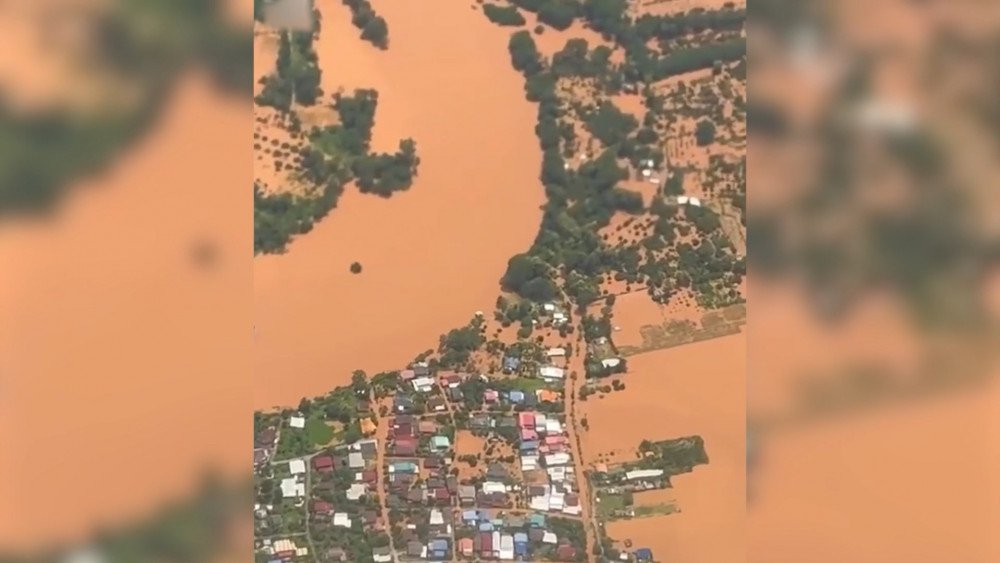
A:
432, 256
125, 330
697, 389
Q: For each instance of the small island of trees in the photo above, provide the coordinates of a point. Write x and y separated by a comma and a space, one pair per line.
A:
374, 28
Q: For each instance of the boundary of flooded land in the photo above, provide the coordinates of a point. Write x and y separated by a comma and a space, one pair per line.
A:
674, 332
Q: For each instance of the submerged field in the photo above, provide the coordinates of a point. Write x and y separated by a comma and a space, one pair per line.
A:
696, 389
431, 256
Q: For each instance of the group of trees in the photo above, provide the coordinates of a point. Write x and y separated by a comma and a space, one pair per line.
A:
529, 277
577, 59
297, 74
384, 174
336, 154
568, 252
374, 28
503, 15
559, 14
457, 346
609, 124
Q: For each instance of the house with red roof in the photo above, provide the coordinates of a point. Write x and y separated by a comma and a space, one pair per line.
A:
405, 446
566, 552
486, 545
465, 547
323, 463
526, 419
322, 507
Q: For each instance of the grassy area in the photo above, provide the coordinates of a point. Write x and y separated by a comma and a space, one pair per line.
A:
608, 505
714, 324
527, 384
655, 510
318, 431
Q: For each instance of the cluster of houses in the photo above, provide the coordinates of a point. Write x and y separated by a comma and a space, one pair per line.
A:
284, 549
333, 486
546, 463
419, 456
509, 536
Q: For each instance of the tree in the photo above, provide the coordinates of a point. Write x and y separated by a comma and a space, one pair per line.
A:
503, 15
646, 136
359, 381
521, 269
609, 124
355, 267
524, 53
376, 31
558, 13
705, 133
284, 61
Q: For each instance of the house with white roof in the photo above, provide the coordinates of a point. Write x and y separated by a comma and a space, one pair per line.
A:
423, 384
355, 460
611, 362
643, 474
342, 520
356, 491
529, 463
292, 488
297, 466
556, 459
297, 421
551, 372
490, 487
553, 427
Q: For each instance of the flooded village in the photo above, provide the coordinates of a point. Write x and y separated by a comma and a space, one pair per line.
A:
592, 409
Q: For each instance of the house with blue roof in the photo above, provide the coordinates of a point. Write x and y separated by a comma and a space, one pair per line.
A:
469, 516
511, 364
516, 397
643, 554
438, 548
537, 521
520, 544
486, 527
403, 467
529, 445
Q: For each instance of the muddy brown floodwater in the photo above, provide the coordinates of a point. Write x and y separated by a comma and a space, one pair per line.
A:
696, 389
433, 255
125, 330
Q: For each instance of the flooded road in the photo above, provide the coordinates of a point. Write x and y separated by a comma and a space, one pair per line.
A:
431, 256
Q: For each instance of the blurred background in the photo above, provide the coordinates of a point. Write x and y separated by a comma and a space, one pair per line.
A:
874, 215
126, 271
125, 280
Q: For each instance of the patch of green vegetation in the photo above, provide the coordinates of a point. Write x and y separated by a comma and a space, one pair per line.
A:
608, 505
679, 455
458, 344
526, 384
296, 79
503, 15
336, 154
318, 432
654, 510
374, 28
